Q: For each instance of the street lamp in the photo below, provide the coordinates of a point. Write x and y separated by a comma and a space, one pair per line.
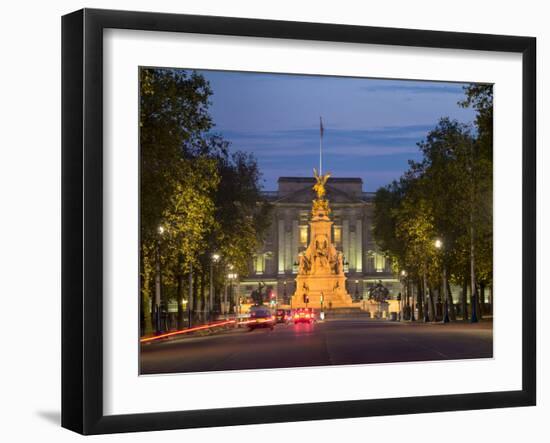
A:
225, 300
439, 245
158, 283
402, 301
231, 277
356, 290
215, 258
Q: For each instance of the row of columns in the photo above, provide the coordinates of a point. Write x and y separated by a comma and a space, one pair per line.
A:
288, 241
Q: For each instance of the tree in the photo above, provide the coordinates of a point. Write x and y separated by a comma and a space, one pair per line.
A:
241, 212
386, 203
480, 97
447, 195
190, 215
173, 116
446, 171
415, 228
190, 219
205, 199
146, 273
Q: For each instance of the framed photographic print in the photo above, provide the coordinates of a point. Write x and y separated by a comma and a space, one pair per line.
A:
273, 221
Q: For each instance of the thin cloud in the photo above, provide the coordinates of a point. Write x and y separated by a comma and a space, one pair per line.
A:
304, 142
416, 88
372, 126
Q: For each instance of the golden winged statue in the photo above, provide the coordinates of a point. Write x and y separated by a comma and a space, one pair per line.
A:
319, 187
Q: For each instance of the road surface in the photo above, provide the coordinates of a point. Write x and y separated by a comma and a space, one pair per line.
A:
333, 342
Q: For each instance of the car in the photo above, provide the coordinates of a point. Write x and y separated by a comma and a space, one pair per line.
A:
303, 315
283, 316
260, 317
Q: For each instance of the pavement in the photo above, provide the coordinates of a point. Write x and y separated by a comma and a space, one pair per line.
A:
342, 341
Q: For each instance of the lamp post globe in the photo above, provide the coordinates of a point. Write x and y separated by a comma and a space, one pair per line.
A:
404, 297
215, 258
158, 283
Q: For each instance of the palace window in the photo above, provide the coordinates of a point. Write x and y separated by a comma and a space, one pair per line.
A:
337, 235
303, 236
376, 262
379, 262
259, 264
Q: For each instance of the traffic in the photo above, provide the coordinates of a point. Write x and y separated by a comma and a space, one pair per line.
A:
263, 316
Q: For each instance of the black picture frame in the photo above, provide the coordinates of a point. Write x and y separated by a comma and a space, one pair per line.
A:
82, 218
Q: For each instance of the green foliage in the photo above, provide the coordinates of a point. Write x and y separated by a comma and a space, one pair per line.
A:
195, 197
480, 97
172, 119
386, 202
190, 215
442, 197
241, 210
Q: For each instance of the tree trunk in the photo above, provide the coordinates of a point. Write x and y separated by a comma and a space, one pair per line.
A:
203, 297
190, 300
474, 317
180, 291
425, 294
491, 299
481, 299
163, 305
478, 300
146, 298
474, 305
413, 300
410, 301
420, 298
441, 298
407, 298
432, 304
231, 298
452, 309
196, 301
473, 283
465, 297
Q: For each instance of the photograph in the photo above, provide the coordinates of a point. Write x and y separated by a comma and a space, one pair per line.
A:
278, 221
292, 220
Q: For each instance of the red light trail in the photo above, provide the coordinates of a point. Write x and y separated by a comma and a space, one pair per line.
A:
185, 331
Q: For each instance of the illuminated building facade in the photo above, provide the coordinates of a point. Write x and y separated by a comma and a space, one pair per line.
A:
276, 261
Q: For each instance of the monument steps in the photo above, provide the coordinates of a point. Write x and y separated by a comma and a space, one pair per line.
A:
346, 311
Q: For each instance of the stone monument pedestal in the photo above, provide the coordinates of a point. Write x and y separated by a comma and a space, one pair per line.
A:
321, 283
324, 292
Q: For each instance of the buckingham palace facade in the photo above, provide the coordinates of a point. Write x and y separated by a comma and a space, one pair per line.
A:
276, 262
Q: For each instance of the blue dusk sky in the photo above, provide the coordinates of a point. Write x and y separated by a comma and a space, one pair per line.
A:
371, 126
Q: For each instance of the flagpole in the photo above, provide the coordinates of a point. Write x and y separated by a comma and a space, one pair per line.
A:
321, 146
321, 155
